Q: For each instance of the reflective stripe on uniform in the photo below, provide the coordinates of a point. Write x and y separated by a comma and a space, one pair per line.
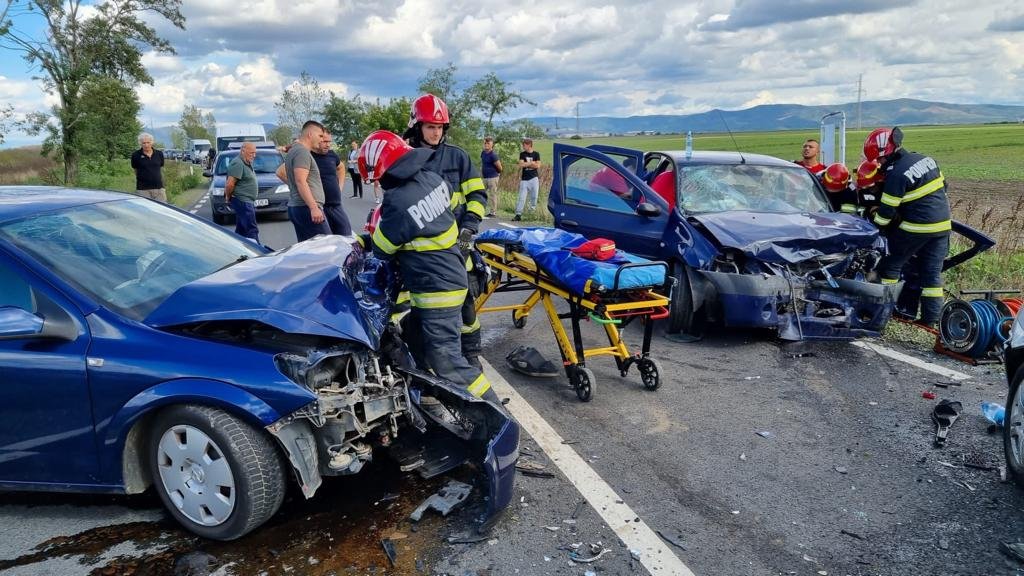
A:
848, 208
926, 228
382, 241
889, 280
479, 386
444, 240
472, 185
403, 296
449, 299
457, 200
470, 328
476, 208
932, 292
925, 190
882, 221
890, 200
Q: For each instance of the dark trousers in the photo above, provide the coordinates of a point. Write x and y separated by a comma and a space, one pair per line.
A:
337, 219
928, 252
305, 228
433, 339
245, 218
471, 345
357, 183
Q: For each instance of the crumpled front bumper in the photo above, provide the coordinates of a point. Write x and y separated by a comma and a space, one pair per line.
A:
801, 309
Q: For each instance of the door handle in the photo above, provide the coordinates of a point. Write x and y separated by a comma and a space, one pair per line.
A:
570, 224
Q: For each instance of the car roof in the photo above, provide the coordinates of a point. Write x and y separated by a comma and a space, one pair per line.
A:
20, 201
724, 157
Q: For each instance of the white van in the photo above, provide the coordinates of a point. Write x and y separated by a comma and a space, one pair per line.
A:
198, 149
230, 132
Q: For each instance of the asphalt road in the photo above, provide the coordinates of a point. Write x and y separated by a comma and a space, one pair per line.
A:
843, 478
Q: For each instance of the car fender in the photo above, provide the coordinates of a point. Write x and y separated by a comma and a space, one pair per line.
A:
117, 463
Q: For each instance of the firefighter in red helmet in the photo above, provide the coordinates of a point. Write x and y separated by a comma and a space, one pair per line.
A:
428, 128
836, 181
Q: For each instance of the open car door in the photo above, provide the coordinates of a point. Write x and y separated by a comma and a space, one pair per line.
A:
630, 159
978, 240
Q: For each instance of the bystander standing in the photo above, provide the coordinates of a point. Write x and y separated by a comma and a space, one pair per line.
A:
241, 190
529, 184
306, 199
148, 163
490, 167
332, 176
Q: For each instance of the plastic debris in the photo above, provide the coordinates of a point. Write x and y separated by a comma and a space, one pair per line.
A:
464, 539
765, 434
596, 551
635, 554
671, 541
751, 377
993, 412
389, 550
743, 456
928, 394
444, 500
841, 469
852, 534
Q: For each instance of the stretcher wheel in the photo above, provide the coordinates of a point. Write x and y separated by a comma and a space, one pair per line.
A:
583, 381
518, 321
650, 372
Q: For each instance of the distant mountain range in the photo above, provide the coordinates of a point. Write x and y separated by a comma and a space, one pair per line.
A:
903, 111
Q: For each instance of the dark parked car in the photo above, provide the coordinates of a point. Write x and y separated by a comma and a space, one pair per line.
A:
751, 240
273, 194
1013, 419
141, 346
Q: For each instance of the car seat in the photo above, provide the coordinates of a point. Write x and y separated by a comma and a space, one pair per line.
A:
664, 185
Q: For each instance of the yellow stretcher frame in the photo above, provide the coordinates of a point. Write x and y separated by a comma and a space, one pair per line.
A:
517, 271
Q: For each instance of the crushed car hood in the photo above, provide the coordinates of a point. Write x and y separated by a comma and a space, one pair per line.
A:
789, 238
313, 287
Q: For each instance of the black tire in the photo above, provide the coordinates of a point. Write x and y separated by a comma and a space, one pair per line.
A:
219, 218
518, 321
650, 372
256, 469
680, 308
1013, 429
584, 382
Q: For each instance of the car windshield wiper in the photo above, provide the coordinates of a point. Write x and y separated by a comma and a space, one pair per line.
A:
241, 258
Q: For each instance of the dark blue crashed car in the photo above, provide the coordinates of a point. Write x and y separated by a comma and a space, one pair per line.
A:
141, 346
751, 240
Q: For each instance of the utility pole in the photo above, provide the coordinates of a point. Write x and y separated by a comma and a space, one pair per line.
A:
577, 118
860, 79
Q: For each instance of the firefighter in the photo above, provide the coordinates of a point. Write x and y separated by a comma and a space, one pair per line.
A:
914, 213
836, 181
869, 187
417, 227
428, 128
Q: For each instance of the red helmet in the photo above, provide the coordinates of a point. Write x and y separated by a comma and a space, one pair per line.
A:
835, 178
428, 108
882, 142
869, 173
379, 151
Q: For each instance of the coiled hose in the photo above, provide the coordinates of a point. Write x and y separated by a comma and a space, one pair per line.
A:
973, 328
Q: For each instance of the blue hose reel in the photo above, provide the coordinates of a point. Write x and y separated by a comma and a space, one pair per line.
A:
975, 328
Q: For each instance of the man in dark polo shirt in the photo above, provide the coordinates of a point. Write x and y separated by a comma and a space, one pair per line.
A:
148, 164
241, 190
332, 175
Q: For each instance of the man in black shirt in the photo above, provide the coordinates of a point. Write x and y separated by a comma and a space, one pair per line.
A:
148, 164
332, 175
529, 161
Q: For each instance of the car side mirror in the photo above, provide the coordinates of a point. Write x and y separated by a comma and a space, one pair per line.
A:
20, 323
648, 210
208, 173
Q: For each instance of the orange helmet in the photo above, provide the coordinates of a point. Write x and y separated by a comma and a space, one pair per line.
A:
835, 178
869, 173
428, 108
882, 142
379, 151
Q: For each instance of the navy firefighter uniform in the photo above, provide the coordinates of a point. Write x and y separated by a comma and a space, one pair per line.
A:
418, 228
914, 212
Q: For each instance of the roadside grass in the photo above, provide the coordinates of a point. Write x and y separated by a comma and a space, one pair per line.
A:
26, 166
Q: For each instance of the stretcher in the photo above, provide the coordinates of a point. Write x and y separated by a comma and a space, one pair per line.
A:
612, 294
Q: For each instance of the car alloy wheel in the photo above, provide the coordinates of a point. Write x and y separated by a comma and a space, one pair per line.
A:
196, 476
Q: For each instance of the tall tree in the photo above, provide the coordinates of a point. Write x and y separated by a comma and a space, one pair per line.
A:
68, 48
197, 124
303, 100
392, 115
110, 126
6, 119
494, 97
343, 117
179, 139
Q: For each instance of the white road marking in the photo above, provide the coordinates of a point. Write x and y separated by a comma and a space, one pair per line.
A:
655, 555
507, 225
916, 362
193, 211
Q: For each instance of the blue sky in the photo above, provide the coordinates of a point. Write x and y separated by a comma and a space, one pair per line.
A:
616, 58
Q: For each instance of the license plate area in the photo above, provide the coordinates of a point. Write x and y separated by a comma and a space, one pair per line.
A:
259, 202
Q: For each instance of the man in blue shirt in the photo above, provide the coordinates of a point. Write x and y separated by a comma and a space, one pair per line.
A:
332, 175
490, 165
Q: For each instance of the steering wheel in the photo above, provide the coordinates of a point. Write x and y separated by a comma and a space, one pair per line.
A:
152, 267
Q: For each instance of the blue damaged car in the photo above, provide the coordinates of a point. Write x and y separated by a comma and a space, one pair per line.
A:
751, 240
141, 346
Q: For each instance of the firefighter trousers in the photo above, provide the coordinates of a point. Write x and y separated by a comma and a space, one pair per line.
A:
930, 251
433, 340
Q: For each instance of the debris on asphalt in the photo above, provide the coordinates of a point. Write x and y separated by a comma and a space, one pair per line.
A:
947, 464
579, 508
841, 469
634, 554
195, 563
569, 521
943, 544
766, 434
872, 403
444, 500
743, 456
852, 534
1014, 550
735, 512
1002, 473
553, 528
590, 573
944, 414
527, 468
977, 461
928, 394
809, 559
803, 355
389, 550
467, 539
671, 541
751, 377
596, 551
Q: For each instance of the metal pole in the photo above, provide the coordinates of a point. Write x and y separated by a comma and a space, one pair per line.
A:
860, 79
577, 118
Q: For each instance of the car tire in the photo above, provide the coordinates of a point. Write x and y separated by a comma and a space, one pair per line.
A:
218, 476
680, 309
219, 218
1013, 429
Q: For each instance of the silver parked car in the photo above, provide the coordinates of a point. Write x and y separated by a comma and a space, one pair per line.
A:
1013, 421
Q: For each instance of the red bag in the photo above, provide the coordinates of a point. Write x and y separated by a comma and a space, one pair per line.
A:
596, 249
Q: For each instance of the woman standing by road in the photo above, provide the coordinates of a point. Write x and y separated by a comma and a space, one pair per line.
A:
353, 170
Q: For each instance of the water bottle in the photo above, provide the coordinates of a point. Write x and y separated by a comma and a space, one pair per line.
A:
994, 412
689, 144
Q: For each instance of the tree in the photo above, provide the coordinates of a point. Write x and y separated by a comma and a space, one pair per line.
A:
393, 116
281, 135
110, 126
179, 140
303, 100
68, 49
195, 124
6, 119
343, 118
494, 97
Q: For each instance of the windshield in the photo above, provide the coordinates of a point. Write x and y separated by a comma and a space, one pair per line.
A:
724, 187
265, 162
224, 142
128, 255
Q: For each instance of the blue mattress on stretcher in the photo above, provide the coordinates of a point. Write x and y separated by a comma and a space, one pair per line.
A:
549, 249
